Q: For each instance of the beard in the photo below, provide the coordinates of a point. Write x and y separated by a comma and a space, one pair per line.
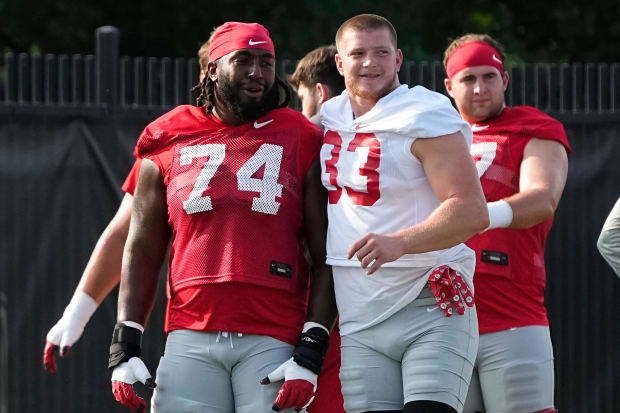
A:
229, 95
354, 87
481, 114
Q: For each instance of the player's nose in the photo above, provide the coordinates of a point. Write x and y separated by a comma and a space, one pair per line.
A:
368, 61
478, 87
255, 69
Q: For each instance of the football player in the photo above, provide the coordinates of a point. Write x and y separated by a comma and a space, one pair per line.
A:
521, 159
403, 197
233, 184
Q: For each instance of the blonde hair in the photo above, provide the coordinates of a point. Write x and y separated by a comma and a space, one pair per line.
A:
367, 23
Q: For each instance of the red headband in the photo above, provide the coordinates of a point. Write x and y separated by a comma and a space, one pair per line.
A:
233, 36
474, 54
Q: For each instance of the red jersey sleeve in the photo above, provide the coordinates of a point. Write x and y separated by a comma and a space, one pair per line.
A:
163, 160
129, 186
529, 121
311, 140
168, 128
313, 146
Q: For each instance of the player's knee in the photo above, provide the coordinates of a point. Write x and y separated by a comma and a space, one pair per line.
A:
176, 405
353, 391
527, 386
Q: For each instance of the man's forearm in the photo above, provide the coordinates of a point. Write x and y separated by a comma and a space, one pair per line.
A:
531, 207
454, 221
322, 301
103, 271
138, 288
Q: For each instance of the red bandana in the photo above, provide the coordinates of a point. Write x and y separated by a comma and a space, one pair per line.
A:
233, 36
474, 54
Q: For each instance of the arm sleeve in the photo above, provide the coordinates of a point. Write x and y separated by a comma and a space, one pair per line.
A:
609, 241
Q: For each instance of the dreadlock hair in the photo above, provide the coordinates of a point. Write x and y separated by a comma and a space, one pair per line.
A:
207, 94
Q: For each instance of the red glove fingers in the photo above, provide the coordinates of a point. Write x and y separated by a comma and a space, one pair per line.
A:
294, 393
463, 291
437, 281
449, 289
451, 293
124, 394
49, 356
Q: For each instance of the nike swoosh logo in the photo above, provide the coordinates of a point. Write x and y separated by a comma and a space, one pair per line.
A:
358, 127
497, 59
430, 310
476, 128
260, 125
251, 43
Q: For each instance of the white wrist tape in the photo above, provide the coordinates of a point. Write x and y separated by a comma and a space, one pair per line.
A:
500, 214
311, 324
80, 308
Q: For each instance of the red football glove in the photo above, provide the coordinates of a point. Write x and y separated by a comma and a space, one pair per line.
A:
449, 289
123, 377
298, 388
50, 351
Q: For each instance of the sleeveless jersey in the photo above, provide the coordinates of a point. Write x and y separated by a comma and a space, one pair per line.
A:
510, 267
234, 196
375, 183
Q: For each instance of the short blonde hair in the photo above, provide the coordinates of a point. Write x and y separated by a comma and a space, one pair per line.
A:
367, 23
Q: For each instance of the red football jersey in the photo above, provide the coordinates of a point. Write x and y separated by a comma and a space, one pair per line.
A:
234, 196
510, 269
131, 181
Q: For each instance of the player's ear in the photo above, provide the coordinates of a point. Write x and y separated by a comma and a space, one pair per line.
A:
212, 71
339, 64
505, 79
323, 92
399, 59
448, 85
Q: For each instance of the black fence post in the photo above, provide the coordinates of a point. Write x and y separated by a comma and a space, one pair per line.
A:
107, 68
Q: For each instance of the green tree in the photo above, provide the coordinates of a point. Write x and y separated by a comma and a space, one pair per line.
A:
571, 30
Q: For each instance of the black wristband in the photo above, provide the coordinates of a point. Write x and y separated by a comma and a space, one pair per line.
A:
126, 343
311, 348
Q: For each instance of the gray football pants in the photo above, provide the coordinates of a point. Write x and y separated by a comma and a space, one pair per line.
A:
204, 372
513, 372
416, 354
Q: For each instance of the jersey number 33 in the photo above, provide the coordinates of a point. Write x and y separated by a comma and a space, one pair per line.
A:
355, 166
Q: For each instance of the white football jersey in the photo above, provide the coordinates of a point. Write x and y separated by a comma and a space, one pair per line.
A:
375, 183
